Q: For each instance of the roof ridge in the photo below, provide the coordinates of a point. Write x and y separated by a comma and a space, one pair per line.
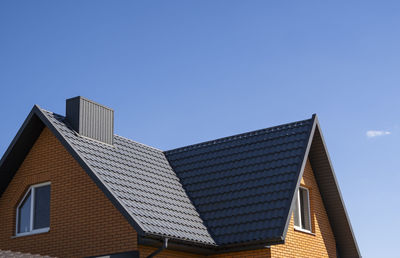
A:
231, 137
145, 145
151, 147
42, 109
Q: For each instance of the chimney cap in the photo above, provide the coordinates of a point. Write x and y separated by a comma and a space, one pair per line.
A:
91, 101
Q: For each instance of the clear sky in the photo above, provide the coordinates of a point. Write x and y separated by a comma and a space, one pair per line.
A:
182, 72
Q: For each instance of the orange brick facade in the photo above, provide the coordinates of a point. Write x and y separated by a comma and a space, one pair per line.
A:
83, 222
319, 244
147, 250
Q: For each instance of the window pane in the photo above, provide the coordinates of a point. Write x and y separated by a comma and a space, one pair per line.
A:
41, 218
24, 215
296, 211
305, 210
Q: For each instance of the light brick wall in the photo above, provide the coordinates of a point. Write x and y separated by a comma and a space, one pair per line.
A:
83, 222
147, 250
319, 244
260, 253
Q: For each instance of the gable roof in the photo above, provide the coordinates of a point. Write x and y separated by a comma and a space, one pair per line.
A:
234, 191
243, 185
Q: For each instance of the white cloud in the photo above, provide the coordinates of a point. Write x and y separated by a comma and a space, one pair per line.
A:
372, 133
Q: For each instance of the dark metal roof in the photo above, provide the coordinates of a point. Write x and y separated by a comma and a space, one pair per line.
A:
142, 181
243, 185
227, 194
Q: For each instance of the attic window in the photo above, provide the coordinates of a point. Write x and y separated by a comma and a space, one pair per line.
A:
33, 212
302, 217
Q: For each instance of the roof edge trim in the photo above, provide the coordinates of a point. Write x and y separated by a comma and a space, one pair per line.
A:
336, 184
227, 138
19, 148
17, 136
300, 173
120, 206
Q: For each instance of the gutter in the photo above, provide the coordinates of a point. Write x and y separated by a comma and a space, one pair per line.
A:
175, 245
159, 250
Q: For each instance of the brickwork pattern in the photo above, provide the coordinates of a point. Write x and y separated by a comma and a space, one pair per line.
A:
83, 222
321, 243
260, 253
147, 250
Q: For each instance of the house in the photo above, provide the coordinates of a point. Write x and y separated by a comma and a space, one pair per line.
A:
70, 187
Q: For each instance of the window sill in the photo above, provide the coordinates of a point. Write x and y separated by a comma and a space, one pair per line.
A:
304, 231
34, 232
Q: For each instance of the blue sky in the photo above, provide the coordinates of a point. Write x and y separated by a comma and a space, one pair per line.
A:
182, 72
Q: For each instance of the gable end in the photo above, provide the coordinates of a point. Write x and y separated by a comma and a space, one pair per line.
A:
332, 197
19, 148
23, 142
318, 155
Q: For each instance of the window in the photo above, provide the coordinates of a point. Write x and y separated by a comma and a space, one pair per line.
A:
302, 217
33, 212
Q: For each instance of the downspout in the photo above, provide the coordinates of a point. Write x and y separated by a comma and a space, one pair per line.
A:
164, 246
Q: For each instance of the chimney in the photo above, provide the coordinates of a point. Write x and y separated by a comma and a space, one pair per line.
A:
90, 119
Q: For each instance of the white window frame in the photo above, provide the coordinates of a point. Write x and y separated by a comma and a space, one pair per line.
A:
300, 228
31, 231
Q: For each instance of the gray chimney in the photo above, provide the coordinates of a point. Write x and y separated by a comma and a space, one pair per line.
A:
90, 119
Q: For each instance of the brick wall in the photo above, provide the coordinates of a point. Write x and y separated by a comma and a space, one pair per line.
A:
260, 253
147, 250
319, 244
83, 222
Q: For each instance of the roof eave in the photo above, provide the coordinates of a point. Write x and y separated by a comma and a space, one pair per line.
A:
207, 249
